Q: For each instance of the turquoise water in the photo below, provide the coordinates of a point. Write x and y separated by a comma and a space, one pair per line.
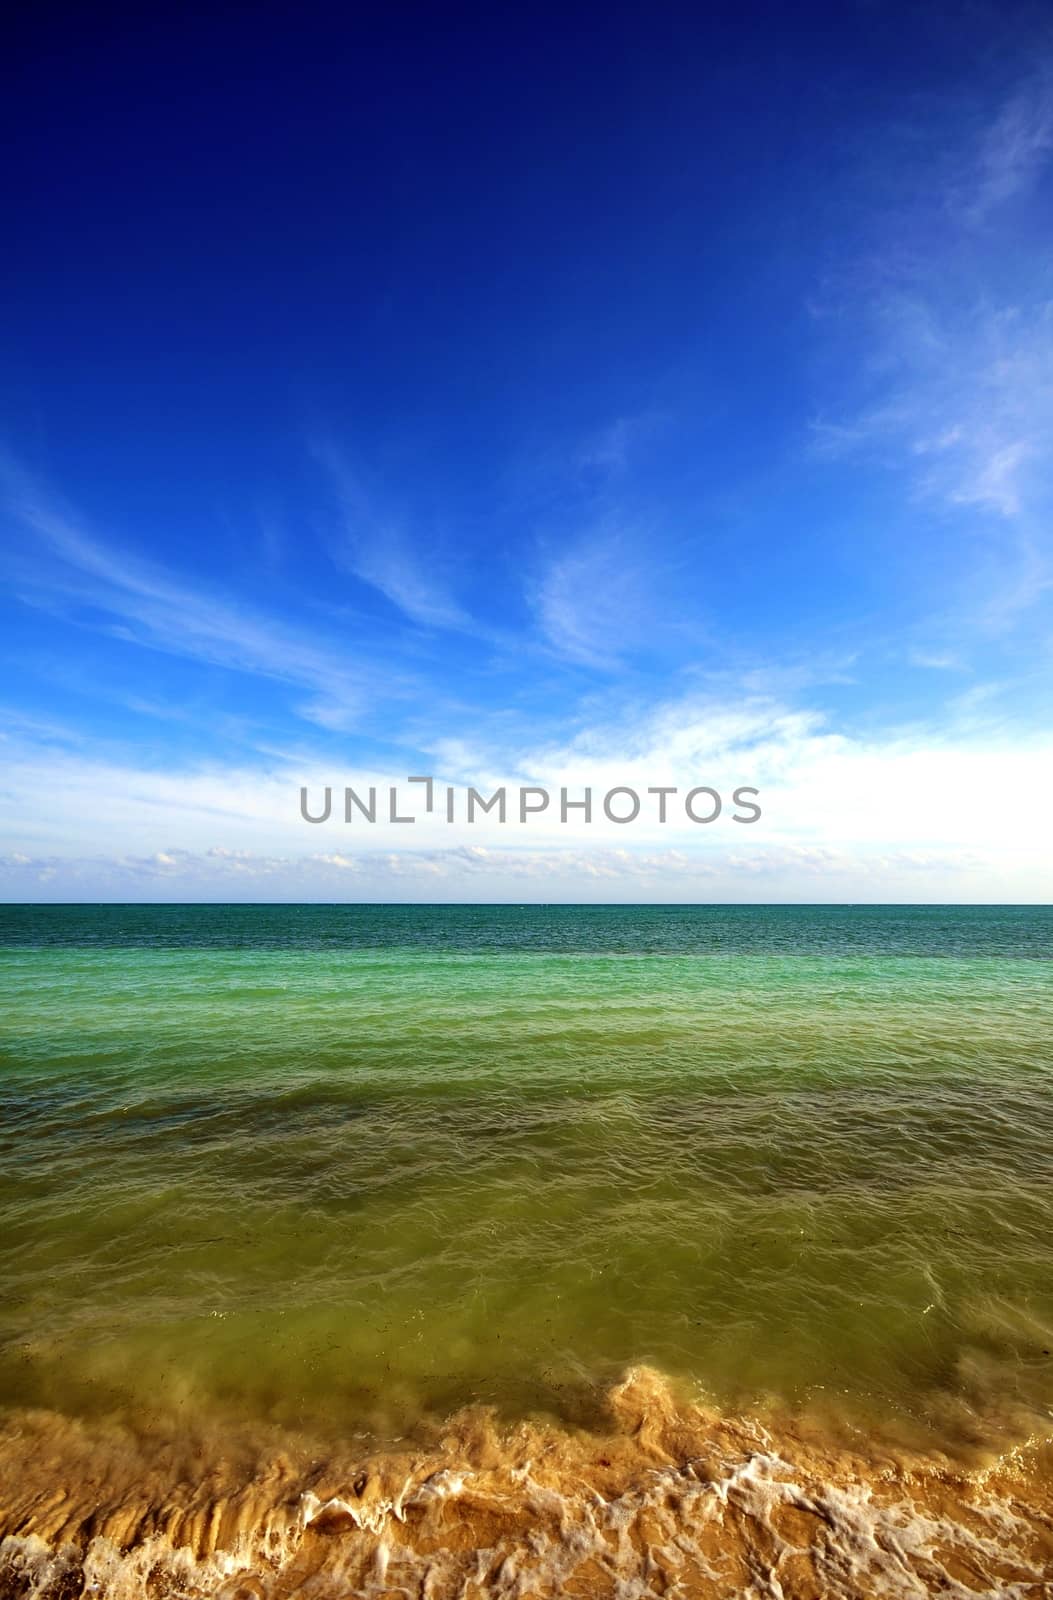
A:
348, 1166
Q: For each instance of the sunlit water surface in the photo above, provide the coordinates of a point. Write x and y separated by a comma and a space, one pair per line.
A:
341, 1168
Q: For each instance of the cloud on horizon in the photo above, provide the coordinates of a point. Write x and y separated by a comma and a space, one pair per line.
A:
963, 808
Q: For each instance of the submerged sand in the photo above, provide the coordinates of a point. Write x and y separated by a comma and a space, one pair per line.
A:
661, 1498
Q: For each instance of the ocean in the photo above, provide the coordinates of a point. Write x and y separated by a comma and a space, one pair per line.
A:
369, 1190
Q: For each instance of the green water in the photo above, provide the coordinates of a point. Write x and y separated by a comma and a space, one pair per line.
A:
339, 1166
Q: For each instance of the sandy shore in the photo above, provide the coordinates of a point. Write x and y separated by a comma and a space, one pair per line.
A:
666, 1499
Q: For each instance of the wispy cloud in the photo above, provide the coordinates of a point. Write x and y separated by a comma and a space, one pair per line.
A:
373, 545
968, 411
936, 660
1012, 151
147, 605
609, 450
955, 355
594, 601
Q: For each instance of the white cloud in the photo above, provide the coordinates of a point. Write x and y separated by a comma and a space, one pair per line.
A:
959, 812
519, 874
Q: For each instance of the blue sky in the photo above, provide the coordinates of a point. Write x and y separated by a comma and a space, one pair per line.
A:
634, 396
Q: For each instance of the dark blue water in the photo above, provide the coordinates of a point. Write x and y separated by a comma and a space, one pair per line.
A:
1016, 932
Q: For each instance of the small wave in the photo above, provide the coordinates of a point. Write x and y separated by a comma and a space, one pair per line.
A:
666, 1499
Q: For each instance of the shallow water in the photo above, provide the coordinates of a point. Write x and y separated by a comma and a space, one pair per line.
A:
341, 1171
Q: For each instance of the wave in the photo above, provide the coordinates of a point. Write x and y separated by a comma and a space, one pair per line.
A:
663, 1498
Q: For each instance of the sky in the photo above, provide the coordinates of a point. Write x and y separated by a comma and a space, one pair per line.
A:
567, 397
